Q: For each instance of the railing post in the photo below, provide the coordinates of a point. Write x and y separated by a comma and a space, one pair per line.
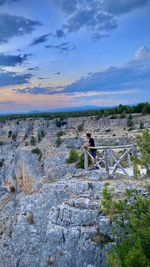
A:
106, 161
85, 160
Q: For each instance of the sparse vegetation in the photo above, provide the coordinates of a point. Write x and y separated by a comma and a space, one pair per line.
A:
73, 156
132, 238
37, 151
130, 122
14, 136
101, 239
81, 128
143, 108
60, 133
58, 141
1, 163
30, 218
143, 160
80, 163
32, 141
141, 125
9, 134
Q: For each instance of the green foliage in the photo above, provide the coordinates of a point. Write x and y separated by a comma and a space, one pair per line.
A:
143, 142
32, 141
131, 218
60, 116
14, 136
73, 156
42, 133
1, 163
39, 138
123, 114
9, 134
113, 117
130, 121
37, 151
141, 125
60, 133
80, 163
1, 143
58, 141
81, 128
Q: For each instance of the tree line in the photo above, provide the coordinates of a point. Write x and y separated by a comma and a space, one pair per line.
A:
121, 110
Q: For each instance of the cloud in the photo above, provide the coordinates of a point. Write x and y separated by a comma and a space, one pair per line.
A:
57, 73
40, 90
3, 2
12, 26
98, 17
12, 60
11, 78
143, 53
41, 39
132, 77
63, 47
118, 7
33, 68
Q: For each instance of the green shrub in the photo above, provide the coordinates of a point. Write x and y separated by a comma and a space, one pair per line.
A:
141, 125
130, 122
58, 142
42, 133
131, 217
37, 151
143, 142
80, 163
30, 218
73, 156
113, 117
32, 141
1, 143
9, 134
81, 128
14, 137
59, 134
1, 163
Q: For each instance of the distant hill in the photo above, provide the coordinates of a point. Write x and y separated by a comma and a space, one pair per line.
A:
80, 108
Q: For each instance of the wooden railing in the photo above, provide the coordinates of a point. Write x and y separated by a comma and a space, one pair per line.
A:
108, 158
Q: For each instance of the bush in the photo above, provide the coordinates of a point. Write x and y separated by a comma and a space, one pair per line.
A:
73, 156
1, 163
32, 141
9, 134
37, 151
42, 133
81, 128
58, 142
141, 125
14, 137
143, 142
130, 122
131, 236
80, 163
113, 117
1, 143
30, 218
59, 134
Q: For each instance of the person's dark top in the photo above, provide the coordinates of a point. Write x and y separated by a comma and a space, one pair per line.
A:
92, 143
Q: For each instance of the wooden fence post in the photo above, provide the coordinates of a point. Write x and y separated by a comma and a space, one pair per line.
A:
85, 160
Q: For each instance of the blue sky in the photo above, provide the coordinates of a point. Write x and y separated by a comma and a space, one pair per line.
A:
68, 53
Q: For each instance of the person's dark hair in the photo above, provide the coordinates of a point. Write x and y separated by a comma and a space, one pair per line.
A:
88, 135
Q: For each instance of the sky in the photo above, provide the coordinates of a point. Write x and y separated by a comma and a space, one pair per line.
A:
70, 53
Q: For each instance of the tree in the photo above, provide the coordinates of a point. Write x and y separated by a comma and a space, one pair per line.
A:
143, 142
132, 238
130, 121
32, 141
